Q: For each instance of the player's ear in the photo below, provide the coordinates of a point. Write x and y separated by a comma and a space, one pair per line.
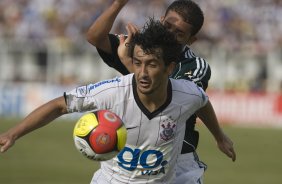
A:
171, 67
162, 19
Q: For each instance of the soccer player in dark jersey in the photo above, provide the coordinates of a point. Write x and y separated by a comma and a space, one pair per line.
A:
185, 19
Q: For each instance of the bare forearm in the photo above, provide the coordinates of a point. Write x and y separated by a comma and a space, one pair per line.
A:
99, 30
39, 117
208, 117
224, 143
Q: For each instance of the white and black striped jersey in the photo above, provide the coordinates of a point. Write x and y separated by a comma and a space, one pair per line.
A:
154, 139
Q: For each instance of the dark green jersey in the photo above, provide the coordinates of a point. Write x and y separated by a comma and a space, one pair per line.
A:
193, 68
190, 67
198, 70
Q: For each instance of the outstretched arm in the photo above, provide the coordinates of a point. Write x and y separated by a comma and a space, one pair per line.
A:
224, 143
97, 34
36, 119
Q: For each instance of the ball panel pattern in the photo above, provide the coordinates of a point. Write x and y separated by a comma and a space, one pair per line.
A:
121, 138
85, 125
103, 139
109, 119
99, 135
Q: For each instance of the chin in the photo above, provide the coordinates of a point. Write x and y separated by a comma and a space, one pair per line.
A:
145, 91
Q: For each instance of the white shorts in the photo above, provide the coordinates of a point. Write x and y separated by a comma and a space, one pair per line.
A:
189, 169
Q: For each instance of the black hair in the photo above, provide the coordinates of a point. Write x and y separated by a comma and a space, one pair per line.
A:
190, 12
155, 39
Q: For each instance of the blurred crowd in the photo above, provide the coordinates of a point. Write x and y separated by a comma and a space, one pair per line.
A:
253, 24
250, 26
231, 22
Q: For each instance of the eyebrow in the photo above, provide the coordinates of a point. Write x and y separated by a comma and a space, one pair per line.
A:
135, 58
150, 60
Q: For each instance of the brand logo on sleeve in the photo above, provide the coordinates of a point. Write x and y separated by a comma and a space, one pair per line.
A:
96, 85
81, 91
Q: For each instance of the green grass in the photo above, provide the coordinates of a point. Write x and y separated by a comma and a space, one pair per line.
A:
258, 157
48, 156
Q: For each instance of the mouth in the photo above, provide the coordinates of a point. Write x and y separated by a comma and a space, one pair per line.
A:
144, 83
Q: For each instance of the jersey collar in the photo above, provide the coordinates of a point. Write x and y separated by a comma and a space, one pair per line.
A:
151, 115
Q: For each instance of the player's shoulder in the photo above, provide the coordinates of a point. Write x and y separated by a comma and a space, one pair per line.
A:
192, 62
191, 66
196, 65
119, 81
184, 86
189, 55
186, 90
109, 84
197, 61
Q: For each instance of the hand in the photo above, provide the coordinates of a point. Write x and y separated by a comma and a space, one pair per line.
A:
226, 146
125, 49
6, 141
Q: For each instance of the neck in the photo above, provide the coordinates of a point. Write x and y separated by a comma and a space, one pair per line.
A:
154, 100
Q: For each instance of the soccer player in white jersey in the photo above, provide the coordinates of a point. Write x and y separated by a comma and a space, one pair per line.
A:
184, 18
152, 106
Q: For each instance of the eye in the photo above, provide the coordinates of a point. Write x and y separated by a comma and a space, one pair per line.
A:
136, 62
167, 25
153, 64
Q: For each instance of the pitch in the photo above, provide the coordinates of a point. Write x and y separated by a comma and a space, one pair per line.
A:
49, 156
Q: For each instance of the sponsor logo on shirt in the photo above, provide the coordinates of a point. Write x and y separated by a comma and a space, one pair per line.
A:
156, 172
96, 85
83, 90
151, 161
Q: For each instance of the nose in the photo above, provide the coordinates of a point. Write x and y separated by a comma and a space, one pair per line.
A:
144, 70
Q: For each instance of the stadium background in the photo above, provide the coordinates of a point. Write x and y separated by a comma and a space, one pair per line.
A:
43, 52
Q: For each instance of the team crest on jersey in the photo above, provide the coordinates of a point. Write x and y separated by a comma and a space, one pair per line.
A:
168, 129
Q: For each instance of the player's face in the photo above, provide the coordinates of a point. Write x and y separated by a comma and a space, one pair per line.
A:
151, 74
175, 23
